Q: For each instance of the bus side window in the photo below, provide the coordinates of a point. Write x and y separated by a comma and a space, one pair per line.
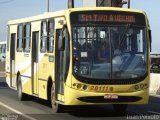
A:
43, 36
20, 38
50, 40
27, 37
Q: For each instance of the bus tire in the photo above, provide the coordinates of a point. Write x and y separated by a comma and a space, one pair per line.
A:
120, 109
57, 108
21, 95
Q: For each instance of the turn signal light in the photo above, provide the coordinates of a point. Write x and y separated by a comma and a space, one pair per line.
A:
140, 86
80, 86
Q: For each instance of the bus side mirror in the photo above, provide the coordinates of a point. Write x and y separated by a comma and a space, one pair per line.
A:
150, 39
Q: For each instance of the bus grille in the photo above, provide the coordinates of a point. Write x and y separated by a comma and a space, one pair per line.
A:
100, 99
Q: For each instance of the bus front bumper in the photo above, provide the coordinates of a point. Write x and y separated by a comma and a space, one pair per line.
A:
78, 97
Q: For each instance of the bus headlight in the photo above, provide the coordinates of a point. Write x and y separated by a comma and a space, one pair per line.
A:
136, 87
80, 86
84, 87
140, 86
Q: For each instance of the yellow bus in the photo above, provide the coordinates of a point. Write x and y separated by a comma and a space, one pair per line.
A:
81, 56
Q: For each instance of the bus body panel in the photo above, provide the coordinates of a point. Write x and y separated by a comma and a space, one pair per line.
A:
10, 64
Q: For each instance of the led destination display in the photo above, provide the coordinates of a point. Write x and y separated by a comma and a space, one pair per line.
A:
107, 17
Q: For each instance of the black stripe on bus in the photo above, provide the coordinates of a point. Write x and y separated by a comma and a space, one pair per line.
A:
101, 99
26, 76
41, 79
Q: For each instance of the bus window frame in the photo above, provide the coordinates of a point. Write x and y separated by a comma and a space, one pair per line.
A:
42, 36
47, 36
50, 35
19, 49
25, 37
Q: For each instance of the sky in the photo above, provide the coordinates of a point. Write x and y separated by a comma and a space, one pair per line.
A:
15, 9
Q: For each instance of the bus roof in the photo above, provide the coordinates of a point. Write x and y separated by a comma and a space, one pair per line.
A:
64, 12
38, 17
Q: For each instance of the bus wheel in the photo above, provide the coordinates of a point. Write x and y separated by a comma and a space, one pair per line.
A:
120, 109
57, 108
21, 95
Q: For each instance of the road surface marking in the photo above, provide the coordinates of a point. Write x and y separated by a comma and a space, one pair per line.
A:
154, 112
16, 111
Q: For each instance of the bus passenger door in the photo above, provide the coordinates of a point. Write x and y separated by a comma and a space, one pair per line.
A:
59, 81
34, 62
12, 61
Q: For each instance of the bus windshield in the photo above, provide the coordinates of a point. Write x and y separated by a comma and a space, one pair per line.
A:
110, 52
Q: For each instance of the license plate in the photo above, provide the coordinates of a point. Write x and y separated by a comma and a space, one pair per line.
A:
110, 96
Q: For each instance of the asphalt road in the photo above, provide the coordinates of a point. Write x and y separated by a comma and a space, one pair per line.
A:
37, 109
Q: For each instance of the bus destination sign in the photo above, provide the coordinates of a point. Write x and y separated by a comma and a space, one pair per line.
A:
106, 18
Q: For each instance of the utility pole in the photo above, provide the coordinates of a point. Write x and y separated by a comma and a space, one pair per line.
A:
70, 3
47, 4
129, 3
